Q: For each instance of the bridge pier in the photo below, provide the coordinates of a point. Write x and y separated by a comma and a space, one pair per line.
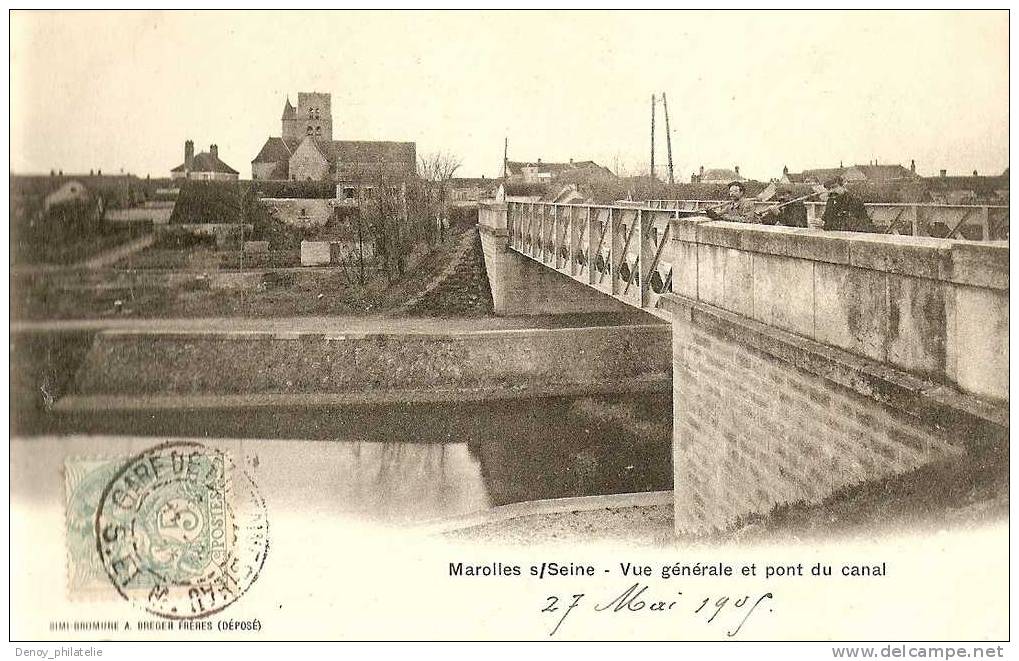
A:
804, 362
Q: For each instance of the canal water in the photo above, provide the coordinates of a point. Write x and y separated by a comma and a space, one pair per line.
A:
410, 462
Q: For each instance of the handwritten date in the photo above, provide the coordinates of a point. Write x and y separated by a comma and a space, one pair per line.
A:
733, 611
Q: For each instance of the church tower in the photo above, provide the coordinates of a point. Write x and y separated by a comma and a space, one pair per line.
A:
312, 117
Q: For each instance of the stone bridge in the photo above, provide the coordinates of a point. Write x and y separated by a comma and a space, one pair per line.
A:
803, 361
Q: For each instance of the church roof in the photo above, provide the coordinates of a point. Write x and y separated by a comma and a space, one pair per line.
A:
371, 151
345, 157
273, 151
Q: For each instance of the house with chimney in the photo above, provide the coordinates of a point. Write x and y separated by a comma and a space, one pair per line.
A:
544, 172
717, 176
205, 166
873, 172
305, 150
468, 191
973, 188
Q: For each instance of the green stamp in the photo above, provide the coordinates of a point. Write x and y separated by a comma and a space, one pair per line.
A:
179, 529
84, 481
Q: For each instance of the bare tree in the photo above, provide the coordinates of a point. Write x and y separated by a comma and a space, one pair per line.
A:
438, 166
435, 170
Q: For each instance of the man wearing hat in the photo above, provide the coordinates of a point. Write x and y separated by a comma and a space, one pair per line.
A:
844, 212
739, 209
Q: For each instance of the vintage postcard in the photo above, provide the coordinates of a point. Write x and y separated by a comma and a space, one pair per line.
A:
529, 325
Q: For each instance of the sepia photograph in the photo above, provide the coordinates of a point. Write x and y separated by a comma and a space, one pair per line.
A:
491, 325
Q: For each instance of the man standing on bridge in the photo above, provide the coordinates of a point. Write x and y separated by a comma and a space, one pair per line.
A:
739, 209
788, 212
844, 212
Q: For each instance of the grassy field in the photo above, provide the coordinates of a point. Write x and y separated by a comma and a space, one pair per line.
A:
280, 292
80, 249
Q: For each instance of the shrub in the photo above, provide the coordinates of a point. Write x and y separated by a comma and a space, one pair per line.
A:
293, 189
173, 238
204, 202
272, 259
277, 280
264, 227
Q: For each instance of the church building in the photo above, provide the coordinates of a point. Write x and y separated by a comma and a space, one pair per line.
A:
306, 151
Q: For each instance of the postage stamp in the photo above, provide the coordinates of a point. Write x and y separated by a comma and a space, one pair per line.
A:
179, 530
84, 481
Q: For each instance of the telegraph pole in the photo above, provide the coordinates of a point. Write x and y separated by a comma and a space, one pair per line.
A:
668, 138
651, 181
505, 156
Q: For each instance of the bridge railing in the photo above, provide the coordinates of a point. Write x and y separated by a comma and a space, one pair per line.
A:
627, 251
986, 222
621, 251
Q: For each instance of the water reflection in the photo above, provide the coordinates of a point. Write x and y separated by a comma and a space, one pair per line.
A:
386, 482
421, 461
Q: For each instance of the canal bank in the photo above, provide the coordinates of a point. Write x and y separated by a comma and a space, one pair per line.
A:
533, 407
201, 363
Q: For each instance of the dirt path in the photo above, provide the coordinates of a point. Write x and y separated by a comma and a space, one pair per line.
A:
354, 324
114, 255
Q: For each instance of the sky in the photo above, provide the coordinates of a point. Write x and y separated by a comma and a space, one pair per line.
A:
762, 90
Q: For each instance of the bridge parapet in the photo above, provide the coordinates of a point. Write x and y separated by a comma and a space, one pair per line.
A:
935, 308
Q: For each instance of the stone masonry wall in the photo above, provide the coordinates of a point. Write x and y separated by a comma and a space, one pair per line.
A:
130, 363
753, 431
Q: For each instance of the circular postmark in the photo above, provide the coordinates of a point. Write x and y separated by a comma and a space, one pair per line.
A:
181, 530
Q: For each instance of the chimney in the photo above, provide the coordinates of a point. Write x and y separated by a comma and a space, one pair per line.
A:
975, 173
214, 150
539, 161
702, 171
785, 170
189, 154
943, 173
912, 166
736, 168
840, 163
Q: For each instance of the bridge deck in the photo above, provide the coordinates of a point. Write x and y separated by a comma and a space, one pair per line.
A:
626, 250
